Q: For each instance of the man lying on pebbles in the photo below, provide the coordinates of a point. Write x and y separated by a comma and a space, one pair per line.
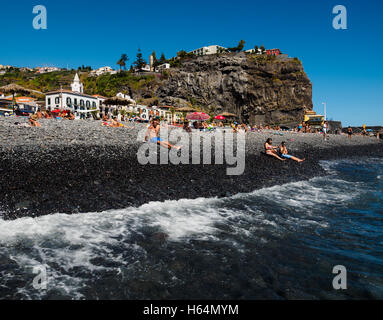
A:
153, 132
114, 123
32, 122
270, 150
285, 153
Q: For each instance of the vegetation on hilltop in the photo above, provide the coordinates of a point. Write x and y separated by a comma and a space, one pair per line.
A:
42, 82
122, 61
239, 47
106, 84
140, 61
110, 84
262, 59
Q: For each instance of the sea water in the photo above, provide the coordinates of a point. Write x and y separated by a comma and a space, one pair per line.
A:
275, 243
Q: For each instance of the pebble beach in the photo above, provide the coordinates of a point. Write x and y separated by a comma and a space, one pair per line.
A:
80, 166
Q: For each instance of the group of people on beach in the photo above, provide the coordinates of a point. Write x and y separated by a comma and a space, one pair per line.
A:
236, 126
112, 122
280, 152
33, 120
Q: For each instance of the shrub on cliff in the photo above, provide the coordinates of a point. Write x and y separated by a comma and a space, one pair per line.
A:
238, 48
111, 84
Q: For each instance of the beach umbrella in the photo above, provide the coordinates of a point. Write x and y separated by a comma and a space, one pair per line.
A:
15, 89
185, 110
229, 115
199, 116
219, 118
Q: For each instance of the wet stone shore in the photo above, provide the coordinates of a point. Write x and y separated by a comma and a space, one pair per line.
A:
80, 166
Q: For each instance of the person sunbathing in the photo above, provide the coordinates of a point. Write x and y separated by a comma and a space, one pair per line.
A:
186, 127
245, 127
47, 115
111, 123
33, 121
39, 114
270, 150
70, 116
153, 132
114, 123
285, 153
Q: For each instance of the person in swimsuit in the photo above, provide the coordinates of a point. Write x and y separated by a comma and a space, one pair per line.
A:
186, 127
349, 132
153, 135
272, 151
39, 114
114, 123
285, 153
70, 116
325, 128
33, 121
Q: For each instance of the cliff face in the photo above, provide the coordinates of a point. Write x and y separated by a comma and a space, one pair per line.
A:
258, 89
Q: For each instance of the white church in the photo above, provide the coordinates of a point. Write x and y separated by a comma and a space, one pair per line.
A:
74, 100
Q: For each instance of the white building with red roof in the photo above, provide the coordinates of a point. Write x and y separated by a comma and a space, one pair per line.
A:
74, 100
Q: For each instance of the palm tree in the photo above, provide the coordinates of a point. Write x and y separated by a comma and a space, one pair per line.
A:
122, 62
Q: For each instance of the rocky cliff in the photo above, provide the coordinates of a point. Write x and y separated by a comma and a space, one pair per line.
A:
259, 89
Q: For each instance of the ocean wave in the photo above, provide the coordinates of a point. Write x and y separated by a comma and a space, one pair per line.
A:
72, 245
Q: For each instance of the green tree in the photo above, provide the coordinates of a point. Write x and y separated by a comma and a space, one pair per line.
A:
122, 61
140, 61
262, 49
239, 48
241, 45
162, 59
182, 54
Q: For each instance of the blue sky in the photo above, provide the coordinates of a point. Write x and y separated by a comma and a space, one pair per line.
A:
345, 66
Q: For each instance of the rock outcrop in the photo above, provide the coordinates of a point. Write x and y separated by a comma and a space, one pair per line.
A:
259, 89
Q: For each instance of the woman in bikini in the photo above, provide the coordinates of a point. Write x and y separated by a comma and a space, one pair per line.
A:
270, 150
285, 153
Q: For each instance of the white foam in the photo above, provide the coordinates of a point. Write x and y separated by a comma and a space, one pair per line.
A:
75, 240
